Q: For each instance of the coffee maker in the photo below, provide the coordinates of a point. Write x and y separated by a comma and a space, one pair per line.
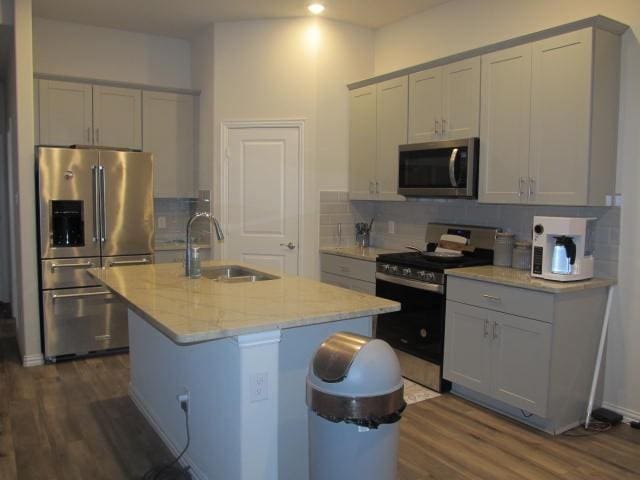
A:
562, 248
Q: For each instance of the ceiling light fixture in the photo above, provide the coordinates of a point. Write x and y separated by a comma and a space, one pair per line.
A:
316, 8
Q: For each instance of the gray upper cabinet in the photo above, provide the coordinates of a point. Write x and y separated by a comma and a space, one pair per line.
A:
504, 146
74, 113
444, 102
362, 142
117, 117
377, 126
391, 133
169, 134
64, 113
549, 120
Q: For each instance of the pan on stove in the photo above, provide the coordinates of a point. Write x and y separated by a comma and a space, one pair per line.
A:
439, 256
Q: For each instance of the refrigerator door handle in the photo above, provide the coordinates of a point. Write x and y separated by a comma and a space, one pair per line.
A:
96, 203
103, 210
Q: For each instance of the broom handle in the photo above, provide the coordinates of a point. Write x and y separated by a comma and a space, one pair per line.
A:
596, 373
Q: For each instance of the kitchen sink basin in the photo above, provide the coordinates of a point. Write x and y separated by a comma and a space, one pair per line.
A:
235, 274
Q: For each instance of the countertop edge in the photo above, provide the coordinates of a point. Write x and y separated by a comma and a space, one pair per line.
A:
561, 288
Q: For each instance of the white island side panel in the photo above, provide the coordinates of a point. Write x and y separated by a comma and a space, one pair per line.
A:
221, 410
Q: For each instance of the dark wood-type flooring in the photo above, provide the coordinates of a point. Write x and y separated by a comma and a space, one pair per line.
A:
74, 420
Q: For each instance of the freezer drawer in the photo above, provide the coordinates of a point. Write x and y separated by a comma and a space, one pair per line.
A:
68, 273
83, 320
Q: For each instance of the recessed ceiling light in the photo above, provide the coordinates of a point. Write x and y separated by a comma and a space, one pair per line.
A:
316, 8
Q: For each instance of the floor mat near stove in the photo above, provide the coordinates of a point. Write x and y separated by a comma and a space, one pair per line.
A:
414, 393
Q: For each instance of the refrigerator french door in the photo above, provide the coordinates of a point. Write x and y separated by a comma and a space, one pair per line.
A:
95, 209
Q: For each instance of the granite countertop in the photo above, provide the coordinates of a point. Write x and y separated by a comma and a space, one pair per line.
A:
522, 279
170, 246
369, 253
195, 310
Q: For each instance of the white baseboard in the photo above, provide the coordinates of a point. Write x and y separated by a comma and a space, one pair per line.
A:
137, 399
33, 360
629, 415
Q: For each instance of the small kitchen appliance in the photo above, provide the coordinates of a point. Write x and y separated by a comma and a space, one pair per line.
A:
562, 248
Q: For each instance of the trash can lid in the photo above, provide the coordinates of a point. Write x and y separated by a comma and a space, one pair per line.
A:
354, 365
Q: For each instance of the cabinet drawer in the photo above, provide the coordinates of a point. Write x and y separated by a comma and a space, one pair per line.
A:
68, 272
335, 280
516, 301
349, 267
363, 287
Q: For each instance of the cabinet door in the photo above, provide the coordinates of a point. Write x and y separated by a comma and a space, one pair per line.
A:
520, 361
425, 105
461, 99
393, 100
64, 113
168, 123
504, 147
467, 347
362, 142
560, 119
117, 117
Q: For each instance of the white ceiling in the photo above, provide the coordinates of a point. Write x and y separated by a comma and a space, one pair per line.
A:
182, 18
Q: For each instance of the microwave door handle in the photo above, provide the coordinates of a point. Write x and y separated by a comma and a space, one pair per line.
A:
452, 167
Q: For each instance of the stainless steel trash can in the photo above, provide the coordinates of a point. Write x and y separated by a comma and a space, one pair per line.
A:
355, 400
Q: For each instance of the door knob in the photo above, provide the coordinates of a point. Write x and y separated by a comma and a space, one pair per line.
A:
289, 245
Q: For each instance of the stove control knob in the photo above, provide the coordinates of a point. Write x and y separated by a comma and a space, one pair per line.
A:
422, 274
384, 267
406, 272
393, 269
430, 276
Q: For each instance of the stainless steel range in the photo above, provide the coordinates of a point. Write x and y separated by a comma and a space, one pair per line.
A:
418, 282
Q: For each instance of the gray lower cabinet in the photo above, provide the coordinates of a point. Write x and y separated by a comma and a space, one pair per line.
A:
358, 275
536, 370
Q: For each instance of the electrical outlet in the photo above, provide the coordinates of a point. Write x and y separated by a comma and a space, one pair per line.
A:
259, 387
183, 400
162, 222
391, 226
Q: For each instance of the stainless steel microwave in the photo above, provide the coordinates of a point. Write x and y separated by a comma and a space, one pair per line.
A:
439, 169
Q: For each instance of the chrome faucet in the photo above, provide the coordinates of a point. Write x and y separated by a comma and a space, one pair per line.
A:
194, 217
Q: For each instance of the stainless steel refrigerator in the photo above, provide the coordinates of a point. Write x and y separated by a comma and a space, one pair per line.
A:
95, 210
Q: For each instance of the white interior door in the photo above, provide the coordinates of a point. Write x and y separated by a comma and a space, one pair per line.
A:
262, 185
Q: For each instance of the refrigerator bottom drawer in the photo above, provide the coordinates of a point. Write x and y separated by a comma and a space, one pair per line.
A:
83, 320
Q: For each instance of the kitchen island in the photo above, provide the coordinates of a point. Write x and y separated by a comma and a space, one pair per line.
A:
240, 351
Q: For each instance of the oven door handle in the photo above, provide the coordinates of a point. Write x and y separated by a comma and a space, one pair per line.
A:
428, 287
452, 168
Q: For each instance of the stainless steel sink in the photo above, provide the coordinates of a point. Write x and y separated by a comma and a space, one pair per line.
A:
235, 274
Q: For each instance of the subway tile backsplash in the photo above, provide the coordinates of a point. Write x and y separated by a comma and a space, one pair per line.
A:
172, 215
411, 217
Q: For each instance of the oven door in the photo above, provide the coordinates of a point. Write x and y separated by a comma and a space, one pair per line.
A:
418, 328
438, 169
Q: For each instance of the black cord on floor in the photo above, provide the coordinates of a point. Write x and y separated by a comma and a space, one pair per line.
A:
595, 427
172, 470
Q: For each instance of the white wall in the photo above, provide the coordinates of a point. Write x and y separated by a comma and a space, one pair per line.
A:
21, 157
71, 49
294, 69
461, 25
5, 244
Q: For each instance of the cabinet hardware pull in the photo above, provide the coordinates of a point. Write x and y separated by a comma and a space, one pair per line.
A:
70, 265
377, 187
103, 338
444, 122
486, 328
436, 128
495, 330
532, 187
492, 298
521, 183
